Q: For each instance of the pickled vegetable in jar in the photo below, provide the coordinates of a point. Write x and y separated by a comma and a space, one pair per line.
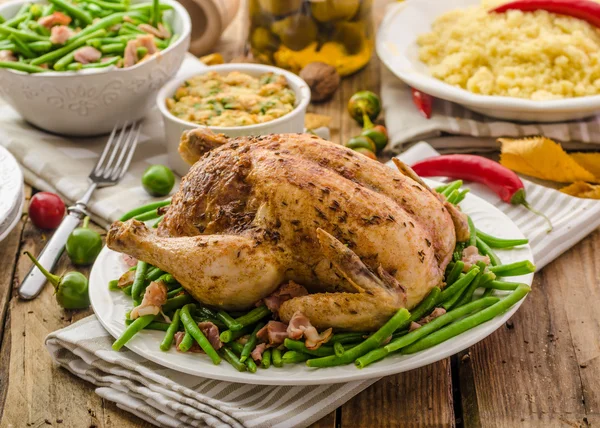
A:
293, 33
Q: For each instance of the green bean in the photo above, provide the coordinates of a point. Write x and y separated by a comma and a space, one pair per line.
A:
229, 356
147, 7
144, 209
158, 220
349, 337
127, 290
101, 24
338, 349
154, 325
423, 331
177, 302
265, 362
425, 307
17, 20
502, 285
229, 335
372, 342
452, 187
472, 232
19, 66
141, 52
467, 295
293, 357
131, 330
154, 273
190, 326
495, 242
236, 347
441, 188
23, 9
65, 51
168, 279
231, 324
251, 365
469, 322
115, 7
95, 9
298, 346
487, 251
129, 26
459, 284
40, 47
48, 10
72, 10
24, 35
514, 269
451, 301
174, 293
113, 285
2, 20
116, 48
102, 64
276, 357
488, 292
139, 280
251, 343
253, 316
155, 13
186, 343
452, 197
165, 345
40, 29
455, 273
461, 196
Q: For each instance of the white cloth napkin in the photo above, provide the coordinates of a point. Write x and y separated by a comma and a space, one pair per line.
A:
406, 125
168, 398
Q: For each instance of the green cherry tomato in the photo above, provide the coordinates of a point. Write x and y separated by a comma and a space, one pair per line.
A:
158, 180
379, 138
364, 107
83, 245
361, 142
71, 289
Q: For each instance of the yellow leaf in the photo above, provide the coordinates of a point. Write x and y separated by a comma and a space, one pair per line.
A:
314, 121
581, 189
542, 158
590, 161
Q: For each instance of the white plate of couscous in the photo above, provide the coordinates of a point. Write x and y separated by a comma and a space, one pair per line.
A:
526, 66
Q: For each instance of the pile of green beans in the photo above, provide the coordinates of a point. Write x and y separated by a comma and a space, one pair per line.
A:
465, 307
104, 25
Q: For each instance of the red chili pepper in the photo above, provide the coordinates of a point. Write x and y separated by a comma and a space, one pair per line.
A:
423, 102
501, 180
586, 10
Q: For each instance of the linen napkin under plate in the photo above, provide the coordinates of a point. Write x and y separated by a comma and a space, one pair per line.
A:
62, 164
168, 398
406, 124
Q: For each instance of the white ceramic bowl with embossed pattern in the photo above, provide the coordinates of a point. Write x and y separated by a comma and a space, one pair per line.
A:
91, 102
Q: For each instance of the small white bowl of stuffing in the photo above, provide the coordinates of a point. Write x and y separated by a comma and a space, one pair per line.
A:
235, 100
529, 65
77, 69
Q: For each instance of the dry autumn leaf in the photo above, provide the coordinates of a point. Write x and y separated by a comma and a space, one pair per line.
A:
542, 158
581, 189
590, 161
314, 121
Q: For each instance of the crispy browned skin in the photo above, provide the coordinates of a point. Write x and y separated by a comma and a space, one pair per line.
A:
256, 211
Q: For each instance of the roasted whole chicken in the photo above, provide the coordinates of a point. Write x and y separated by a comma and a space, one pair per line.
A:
254, 212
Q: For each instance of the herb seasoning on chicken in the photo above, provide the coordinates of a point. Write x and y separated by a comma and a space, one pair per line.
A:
235, 99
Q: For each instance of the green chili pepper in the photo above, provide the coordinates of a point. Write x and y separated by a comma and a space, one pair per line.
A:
364, 107
377, 134
71, 289
84, 245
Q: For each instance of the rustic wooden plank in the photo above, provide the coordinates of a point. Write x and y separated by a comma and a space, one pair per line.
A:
538, 370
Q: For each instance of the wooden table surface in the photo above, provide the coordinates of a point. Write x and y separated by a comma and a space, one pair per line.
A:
541, 369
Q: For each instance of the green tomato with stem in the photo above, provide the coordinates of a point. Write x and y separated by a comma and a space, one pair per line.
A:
364, 107
83, 245
71, 289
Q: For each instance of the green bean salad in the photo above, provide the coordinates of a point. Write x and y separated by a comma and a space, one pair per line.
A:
466, 301
65, 35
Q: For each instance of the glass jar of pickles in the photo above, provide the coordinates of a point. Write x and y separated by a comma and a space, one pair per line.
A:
293, 33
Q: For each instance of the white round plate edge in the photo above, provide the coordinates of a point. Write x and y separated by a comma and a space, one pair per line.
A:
111, 306
10, 204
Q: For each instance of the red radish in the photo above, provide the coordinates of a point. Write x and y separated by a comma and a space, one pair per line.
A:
46, 210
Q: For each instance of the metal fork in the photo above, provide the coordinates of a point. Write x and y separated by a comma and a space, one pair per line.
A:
110, 168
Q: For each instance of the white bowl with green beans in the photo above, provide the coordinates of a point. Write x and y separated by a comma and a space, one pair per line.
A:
115, 58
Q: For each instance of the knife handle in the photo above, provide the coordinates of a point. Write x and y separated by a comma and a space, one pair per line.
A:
35, 279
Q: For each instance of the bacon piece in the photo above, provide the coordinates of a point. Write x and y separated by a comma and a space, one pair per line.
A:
437, 312
284, 293
274, 333
57, 18
161, 32
211, 332
87, 54
130, 55
60, 34
148, 43
126, 279
470, 257
154, 297
129, 260
413, 326
7, 56
196, 349
258, 352
300, 326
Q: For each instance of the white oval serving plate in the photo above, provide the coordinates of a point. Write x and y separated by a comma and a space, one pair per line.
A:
397, 48
12, 194
110, 308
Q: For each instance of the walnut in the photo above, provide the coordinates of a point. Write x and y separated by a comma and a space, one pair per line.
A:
323, 80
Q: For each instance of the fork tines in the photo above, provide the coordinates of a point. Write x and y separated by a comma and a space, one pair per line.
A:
117, 154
